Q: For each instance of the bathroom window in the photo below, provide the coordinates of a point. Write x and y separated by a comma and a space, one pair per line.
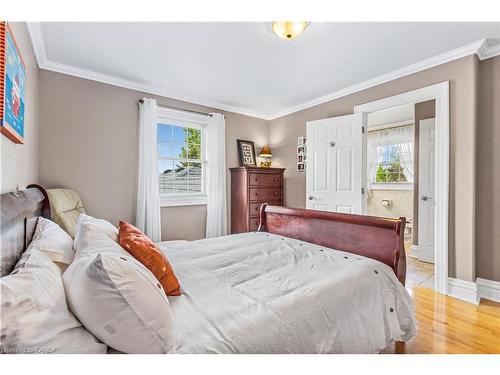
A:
394, 163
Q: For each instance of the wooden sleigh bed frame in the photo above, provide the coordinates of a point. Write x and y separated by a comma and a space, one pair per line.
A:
377, 238
373, 237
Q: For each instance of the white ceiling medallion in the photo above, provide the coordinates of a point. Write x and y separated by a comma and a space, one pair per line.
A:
479, 48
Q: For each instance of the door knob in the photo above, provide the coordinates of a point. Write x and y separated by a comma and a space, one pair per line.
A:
310, 197
425, 198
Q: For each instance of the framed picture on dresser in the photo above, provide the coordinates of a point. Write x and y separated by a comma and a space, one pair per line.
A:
246, 153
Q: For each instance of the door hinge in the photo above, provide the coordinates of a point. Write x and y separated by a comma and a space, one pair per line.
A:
362, 190
363, 129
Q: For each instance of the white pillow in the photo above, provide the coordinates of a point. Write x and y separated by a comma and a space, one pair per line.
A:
87, 225
95, 242
120, 302
53, 241
35, 316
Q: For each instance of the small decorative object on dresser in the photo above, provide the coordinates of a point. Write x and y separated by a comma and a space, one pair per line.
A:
301, 154
12, 86
250, 187
246, 153
267, 155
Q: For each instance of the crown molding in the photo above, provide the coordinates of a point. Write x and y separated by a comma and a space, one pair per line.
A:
481, 48
35, 33
43, 62
486, 51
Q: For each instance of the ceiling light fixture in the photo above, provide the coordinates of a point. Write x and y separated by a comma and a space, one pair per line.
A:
288, 29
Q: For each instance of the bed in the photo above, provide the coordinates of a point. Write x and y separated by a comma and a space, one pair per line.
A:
305, 282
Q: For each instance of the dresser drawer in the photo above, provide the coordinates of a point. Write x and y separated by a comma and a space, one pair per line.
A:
264, 179
254, 209
253, 224
265, 194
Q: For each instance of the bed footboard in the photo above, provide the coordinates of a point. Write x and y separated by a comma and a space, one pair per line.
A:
377, 238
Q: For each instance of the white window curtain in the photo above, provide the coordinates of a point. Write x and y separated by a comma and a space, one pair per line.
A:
216, 176
148, 194
402, 136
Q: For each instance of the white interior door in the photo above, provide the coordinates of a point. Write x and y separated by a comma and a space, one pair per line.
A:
335, 164
426, 190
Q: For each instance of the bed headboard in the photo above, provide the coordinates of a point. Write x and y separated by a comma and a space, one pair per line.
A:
377, 238
19, 213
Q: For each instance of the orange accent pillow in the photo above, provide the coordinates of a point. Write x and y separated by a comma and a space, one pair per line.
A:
146, 252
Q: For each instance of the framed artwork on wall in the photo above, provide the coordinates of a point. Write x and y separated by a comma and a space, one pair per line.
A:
301, 154
12, 86
246, 153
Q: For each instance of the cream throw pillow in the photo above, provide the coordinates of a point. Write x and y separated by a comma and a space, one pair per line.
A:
118, 299
35, 317
54, 242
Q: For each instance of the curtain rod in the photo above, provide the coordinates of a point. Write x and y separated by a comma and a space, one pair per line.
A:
181, 109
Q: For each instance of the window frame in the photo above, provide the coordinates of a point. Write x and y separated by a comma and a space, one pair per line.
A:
396, 185
184, 119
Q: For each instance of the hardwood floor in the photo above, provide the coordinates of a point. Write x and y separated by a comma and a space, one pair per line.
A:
448, 325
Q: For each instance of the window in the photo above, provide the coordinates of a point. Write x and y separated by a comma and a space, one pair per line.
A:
181, 162
390, 157
393, 160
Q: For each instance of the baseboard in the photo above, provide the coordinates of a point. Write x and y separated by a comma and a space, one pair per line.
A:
463, 290
488, 289
473, 292
423, 254
414, 250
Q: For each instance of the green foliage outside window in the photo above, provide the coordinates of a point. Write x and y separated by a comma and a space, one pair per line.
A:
388, 173
192, 138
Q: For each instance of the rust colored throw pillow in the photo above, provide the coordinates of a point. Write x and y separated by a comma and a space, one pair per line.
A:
146, 252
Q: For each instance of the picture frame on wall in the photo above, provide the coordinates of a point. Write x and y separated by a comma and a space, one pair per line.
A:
246, 153
12, 86
301, 154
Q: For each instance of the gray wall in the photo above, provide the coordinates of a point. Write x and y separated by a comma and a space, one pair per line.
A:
488, 171
19, 166
88, 142
462, 75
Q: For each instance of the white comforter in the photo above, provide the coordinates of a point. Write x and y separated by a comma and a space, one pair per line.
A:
263, 293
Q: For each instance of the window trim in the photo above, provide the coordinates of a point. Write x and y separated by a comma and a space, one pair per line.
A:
189, 120
173, 200
392, 186
374, 180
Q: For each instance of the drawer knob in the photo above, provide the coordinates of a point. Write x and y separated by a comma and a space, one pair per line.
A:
275, 193
275, 179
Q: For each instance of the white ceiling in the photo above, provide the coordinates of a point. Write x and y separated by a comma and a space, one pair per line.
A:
244, 67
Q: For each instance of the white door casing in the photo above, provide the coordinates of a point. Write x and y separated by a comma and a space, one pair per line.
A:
440, 93
426, 190
334, 175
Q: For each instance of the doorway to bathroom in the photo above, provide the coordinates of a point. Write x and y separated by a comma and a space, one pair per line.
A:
400, 169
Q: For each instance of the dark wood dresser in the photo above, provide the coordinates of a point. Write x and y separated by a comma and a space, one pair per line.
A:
250, 187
